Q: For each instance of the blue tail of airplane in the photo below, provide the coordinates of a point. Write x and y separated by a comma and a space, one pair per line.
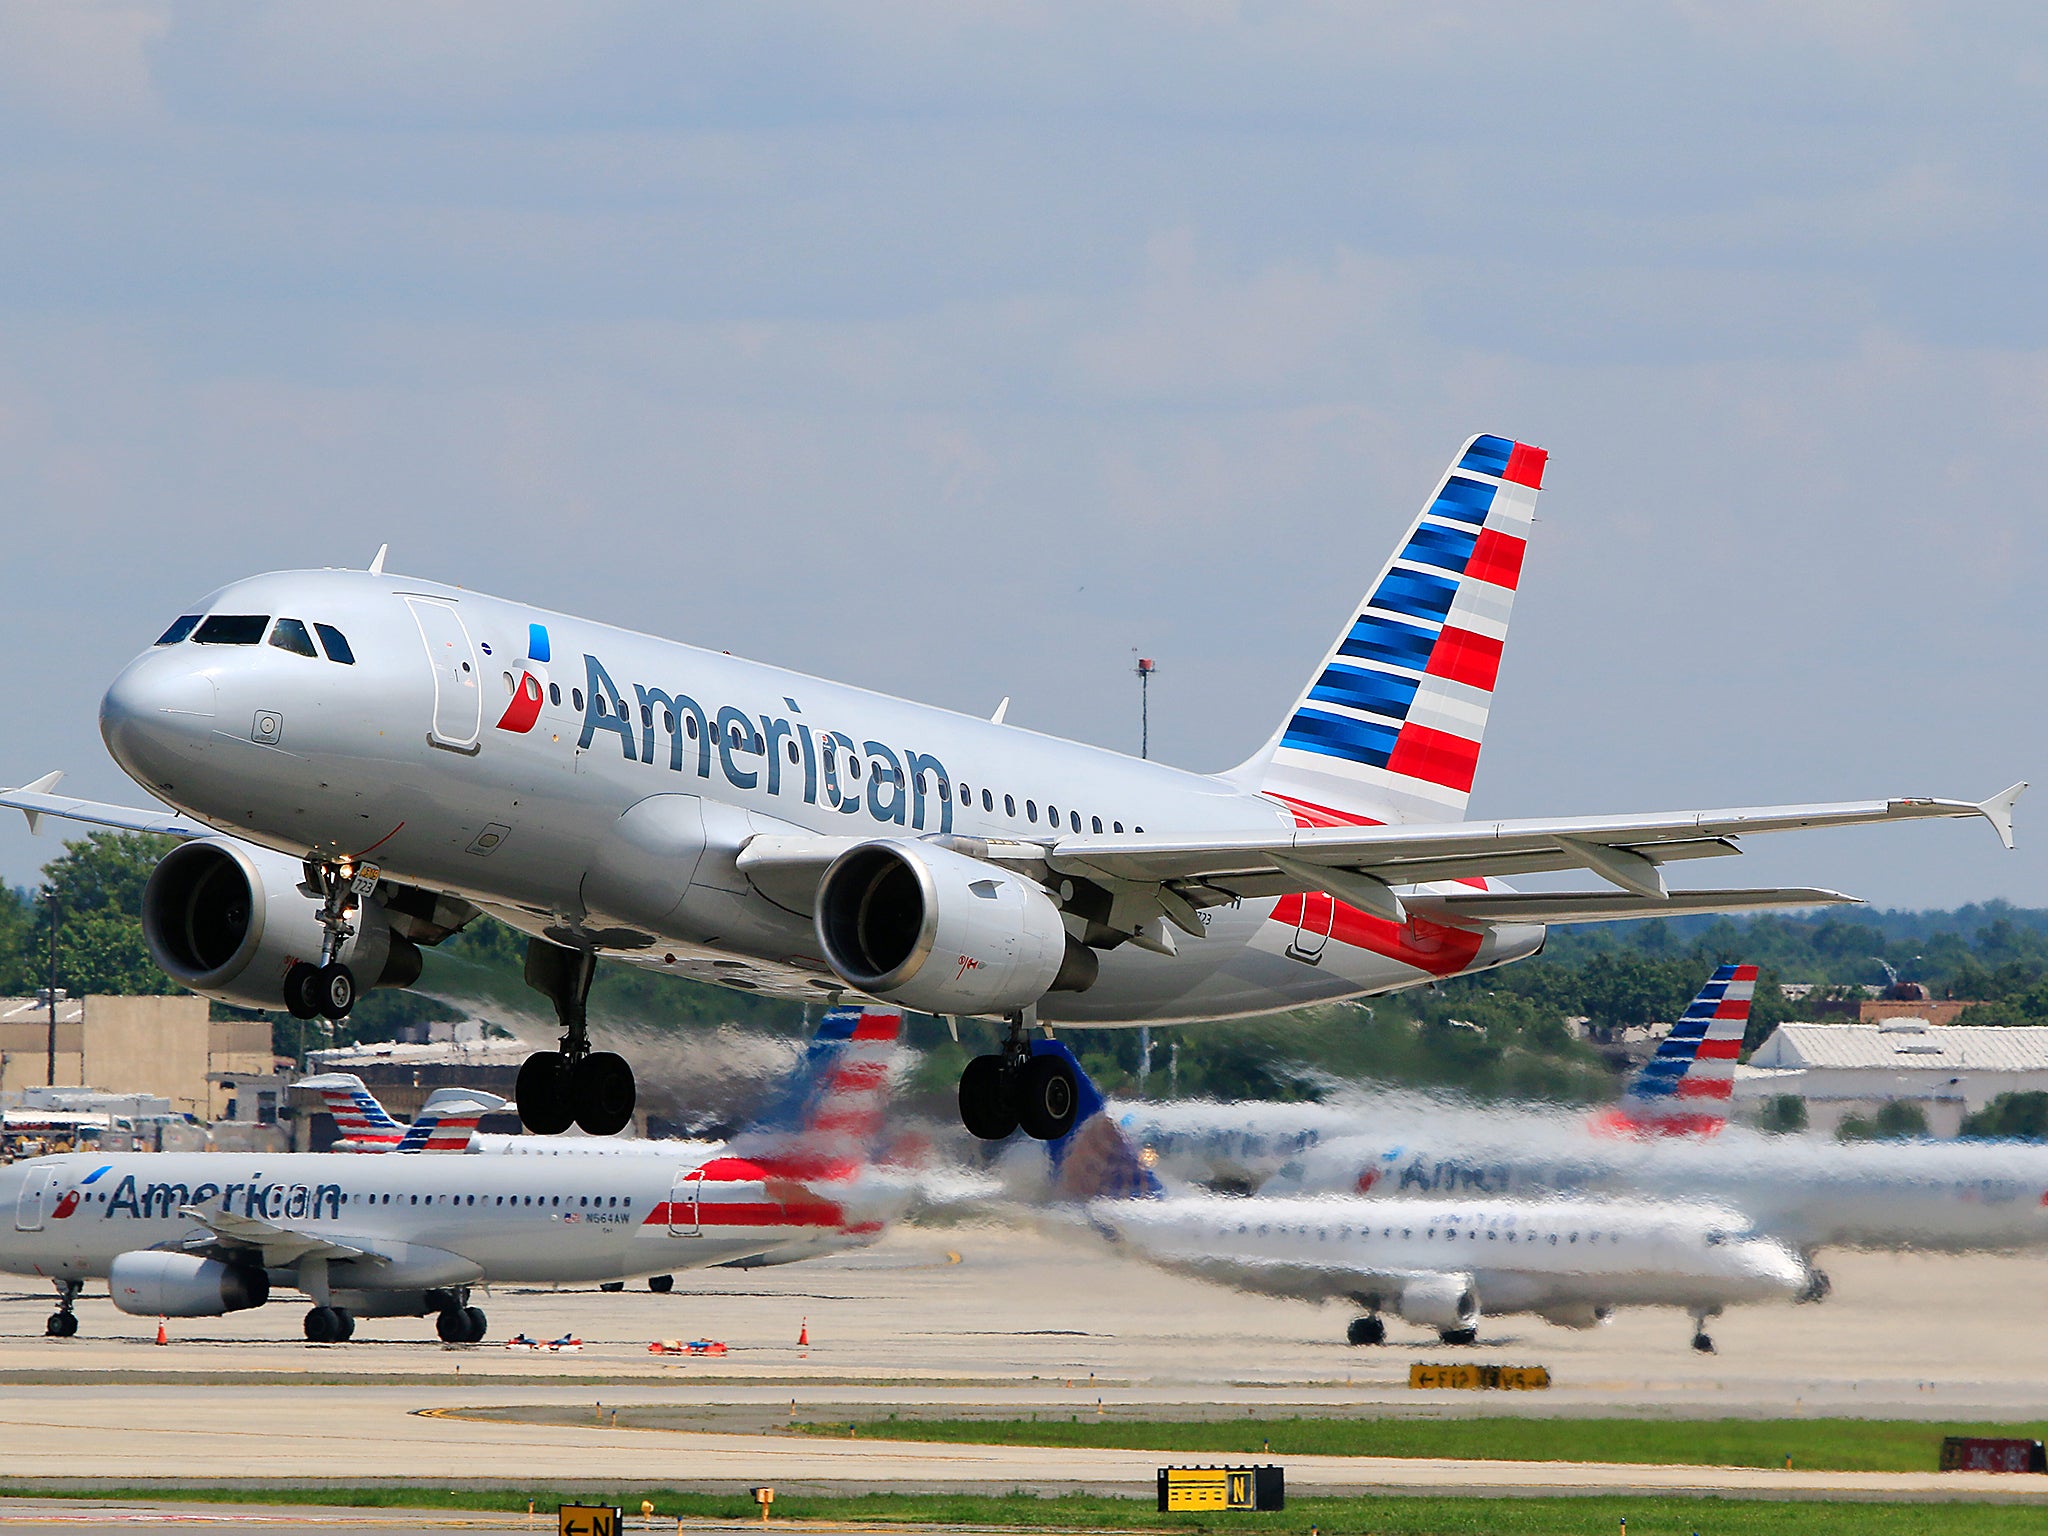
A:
1095, 1160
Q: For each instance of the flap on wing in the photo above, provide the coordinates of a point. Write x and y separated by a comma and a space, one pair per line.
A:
1614, 906
280, 1246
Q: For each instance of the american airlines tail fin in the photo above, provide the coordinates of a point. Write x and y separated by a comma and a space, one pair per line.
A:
1095, 1160
1685, 1087
365, 1125
448, 1119
1389, 727
828, 1115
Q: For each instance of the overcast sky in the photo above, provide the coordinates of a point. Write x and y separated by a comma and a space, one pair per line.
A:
965, 349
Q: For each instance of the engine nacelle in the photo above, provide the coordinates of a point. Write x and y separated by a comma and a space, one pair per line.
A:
153, 1284
1439, 1301
941, 932
227, 919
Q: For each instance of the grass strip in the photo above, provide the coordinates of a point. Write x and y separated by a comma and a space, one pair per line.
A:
1416, 1515
1816, 1445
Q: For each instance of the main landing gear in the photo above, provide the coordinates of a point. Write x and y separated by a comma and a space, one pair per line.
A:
1458, 1335
63, 1322
1366, 1330
328, 990
462, 1325
330, 1325
1016, 1089
574, 1085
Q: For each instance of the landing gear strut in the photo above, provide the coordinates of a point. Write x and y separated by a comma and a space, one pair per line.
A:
63, 1322
329, 988
573, 1085
1019, 1089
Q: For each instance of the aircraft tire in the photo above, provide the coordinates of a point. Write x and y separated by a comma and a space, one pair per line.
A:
452, 1324
612, 1285
323, 1326
1366, 1330
543, 1094
333, 990
62, 1325
298, 990
1047, 1098
479, 1325
985, 1109
1458, 1335
1703, 1343
661, 1283
347, 1323
601, 1089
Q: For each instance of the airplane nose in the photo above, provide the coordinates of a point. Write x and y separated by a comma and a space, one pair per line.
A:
158, 712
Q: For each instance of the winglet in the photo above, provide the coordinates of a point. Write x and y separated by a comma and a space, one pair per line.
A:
1998, 810
42, 786
377, 565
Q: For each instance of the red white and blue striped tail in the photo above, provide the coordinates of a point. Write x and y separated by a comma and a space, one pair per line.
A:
447, 1119
1685, 1087
361, 1123
1388, 729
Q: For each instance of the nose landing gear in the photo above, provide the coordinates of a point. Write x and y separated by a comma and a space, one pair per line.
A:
573, 1085
1019, 1090
328, 990
63, 1322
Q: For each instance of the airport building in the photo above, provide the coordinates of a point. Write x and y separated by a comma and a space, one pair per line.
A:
168, 1047
1855, 1069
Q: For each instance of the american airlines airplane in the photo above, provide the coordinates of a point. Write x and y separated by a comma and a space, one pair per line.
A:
364, 762
1436, 1262
204, 1234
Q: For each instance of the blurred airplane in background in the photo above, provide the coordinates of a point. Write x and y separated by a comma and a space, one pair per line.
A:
1440, 1263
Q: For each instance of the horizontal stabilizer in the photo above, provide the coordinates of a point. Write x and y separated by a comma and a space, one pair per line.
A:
1615, 906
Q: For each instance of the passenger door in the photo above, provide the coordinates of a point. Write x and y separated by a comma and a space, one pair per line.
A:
458, 688
35, 1194
683, 1209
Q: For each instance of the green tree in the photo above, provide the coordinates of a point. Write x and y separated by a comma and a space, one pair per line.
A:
1895, 1119
2019, 1115
1783, 1114
96, 888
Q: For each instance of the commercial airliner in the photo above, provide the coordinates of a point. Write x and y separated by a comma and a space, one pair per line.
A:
1436, 1262
364, 762
204, 1234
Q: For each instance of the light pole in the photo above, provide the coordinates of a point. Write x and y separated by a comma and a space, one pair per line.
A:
52, 1054
1146, 667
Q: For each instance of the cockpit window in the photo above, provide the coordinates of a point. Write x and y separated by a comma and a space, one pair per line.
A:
337, 646
290, 635
232, 629
179, 629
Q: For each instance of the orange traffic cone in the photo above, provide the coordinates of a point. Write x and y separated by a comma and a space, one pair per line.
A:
803, 1335
161, 1336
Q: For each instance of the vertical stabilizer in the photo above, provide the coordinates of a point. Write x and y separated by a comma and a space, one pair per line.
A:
1389, 727
363, 1124
1685, 1087
1095, 1160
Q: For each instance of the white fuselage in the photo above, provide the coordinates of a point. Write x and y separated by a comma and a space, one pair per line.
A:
1554, 1257
414, 759
427, 1221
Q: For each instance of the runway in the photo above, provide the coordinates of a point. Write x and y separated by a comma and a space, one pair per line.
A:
979, 1323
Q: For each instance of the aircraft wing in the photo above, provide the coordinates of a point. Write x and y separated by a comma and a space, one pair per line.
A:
37, 800
1360, 865
281, 1247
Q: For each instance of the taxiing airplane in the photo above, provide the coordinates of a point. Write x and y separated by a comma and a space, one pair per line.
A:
363, 762
205, 1234
1433, 1262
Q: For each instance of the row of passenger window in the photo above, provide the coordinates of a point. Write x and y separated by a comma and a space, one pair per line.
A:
755, 743
583, 1202
248, 629
1344, 1233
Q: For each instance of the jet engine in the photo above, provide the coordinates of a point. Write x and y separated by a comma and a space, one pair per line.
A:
227, 919
1439, 1301
149, 1283
940, 932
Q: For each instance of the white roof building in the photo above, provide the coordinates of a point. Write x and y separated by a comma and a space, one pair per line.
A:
1844, 1069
